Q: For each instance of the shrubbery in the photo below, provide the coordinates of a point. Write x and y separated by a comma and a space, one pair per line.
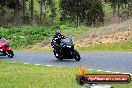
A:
25, 37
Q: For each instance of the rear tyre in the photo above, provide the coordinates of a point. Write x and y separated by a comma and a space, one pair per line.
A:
76, 55
10, 53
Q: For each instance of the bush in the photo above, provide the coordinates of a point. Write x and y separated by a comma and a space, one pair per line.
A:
23, 37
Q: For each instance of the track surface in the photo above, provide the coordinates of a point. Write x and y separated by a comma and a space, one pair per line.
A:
116, 62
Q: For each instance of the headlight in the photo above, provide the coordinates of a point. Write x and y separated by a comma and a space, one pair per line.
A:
69, 46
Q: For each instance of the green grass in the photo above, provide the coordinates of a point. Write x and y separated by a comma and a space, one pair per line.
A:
115, 47
30, 76
26, 36
18, 75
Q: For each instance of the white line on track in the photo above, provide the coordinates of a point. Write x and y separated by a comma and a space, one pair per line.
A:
116, 72
37, 64
26, 63
48, 65
99, 70
125, 73
90, 69
107, 71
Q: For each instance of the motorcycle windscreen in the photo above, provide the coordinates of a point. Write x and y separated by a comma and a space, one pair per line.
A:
67, 41
2, 40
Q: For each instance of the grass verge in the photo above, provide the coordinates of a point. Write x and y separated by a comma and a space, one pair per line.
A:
36, 38
18, 75
114, 47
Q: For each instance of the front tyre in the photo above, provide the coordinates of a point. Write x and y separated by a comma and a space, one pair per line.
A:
58, 57
76, 55
10, 53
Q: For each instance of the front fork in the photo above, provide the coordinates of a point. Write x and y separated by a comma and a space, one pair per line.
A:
3, 52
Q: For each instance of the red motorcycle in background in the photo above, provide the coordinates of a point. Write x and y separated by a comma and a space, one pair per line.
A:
5, 50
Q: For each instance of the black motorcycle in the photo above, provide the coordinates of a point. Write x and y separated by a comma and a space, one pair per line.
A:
67, 50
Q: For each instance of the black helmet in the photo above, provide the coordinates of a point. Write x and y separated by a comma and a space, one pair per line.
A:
58, 34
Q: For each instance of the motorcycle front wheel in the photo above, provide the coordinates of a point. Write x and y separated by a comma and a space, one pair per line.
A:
58, 57
76, 55
10, 53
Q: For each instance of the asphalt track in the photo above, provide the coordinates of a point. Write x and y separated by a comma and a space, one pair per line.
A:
106, 61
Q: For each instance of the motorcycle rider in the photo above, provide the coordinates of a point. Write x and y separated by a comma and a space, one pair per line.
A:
56, 40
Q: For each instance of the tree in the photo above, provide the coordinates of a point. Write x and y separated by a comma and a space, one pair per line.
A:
118, 4
53, 11
83, 10
23, 9
50, 10
41, 5
32, 9
16, 12
71, 8
8, 7
2, 3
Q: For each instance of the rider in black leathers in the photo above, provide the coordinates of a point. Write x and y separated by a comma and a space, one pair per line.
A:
56, 40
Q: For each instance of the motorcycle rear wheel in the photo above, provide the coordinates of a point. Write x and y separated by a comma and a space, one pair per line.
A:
76, 55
